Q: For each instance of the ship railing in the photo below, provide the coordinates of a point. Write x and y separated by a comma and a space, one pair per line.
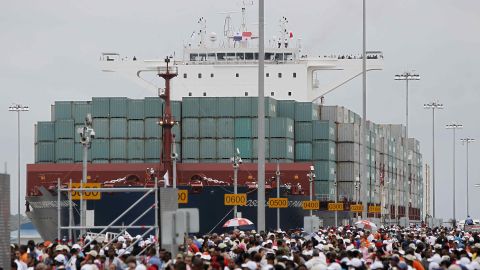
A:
331, 198
171, 70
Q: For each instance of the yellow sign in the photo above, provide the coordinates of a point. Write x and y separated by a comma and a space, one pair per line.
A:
335, 206
356, 207
182, 196
311, 205
235, 199
277, 203
374, 209
87, 195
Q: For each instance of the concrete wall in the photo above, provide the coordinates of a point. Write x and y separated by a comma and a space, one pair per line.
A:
4, 221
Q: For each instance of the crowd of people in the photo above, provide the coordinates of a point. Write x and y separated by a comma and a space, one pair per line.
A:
342, 248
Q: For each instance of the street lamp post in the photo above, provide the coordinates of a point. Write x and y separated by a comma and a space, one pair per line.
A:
18, 109
467, 141
454, 127
407, 76
236, 161
433, 106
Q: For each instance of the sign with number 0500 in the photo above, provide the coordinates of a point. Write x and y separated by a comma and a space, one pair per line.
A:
87, 195
235, 199
311, 205
277, 203
182, 196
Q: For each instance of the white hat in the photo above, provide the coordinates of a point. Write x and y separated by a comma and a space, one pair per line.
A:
435, 258
198, 254
433, 265
93, 253
250, 265
355, 262
76, 246
121, 239
377, 265
60, 258
464, 261
334, 266
59, 248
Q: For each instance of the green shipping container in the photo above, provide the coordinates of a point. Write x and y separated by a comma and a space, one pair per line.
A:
303, 151
65, 161
324, 150
208, 107
243, 107
255, 127
324, 130
153, 148
325, 190
177, 132
281, 148
100, 149
245, 147
64, 149
190, 149
270, 107
225, 128
64, 129
306, 111
281, 127
80, 111
152, 128
303, 131
208, 127
243, 127
191, 128
136, 129
255, 148
118, 107
79, 153
135, 161
100, 107
226, 107
325, 170
100, 161
136, 109
225, 148
153, 107
63, 110
286, 108
118, 149
191, 107
208, 149
101, 127
118, 161
118, 128
45, 132
190, 161
135, 149
176, 110
45, 152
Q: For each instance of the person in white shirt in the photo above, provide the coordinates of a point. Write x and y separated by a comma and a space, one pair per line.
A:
316, 259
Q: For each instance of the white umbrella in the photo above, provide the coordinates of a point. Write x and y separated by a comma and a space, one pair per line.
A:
366, 224
237, 222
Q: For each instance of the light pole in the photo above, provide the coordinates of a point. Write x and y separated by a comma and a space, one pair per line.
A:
454, 127
467, 141
407, 76
433, 106
277, 174
236, 161
311, 178
18, 109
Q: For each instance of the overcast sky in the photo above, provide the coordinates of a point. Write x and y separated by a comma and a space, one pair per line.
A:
50, 51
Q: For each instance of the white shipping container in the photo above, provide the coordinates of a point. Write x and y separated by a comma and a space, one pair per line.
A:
332, 113
347, 190
348, 171
348, 132
347, 151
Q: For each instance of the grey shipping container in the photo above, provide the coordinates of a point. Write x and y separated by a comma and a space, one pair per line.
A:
243, 128
303, 132
100, 149
101, 127
332, 113
190, 149
286, 108
45, 132
208, 127
348, 132
63, 110
118, 149
208, 107
118, 107
244, 145
324, 150
191, 128
281, 127
303, 151
226, 107
348, 171
153, 148
80, 111
346, 190
152, 128
136, 149
118, 128
255, 127
225, 148
255, 148
64, 129
101, 107
136, 109
208, 149
191, 107
225, 128
136, 129
45, 152
243, 107
306, 111
64, 149
282, 148
347, 151
153, 107
324, 130
325, 170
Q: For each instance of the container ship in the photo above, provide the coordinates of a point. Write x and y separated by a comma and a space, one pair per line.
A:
213, 116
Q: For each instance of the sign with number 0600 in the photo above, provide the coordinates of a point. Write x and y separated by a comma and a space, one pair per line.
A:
277, 203
182, 196
235, 199
87, 195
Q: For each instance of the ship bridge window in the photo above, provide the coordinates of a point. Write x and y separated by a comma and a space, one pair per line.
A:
279, 56
230, 56
193, 56
240, 56
256, 56
267, 74
269, 56
211, 57
288, 57
249, 56
202, 57
221, 56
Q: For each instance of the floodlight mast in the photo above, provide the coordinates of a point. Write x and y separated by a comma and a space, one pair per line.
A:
454, 127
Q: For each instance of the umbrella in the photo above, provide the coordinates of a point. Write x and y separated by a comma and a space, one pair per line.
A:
366, 224
236, 222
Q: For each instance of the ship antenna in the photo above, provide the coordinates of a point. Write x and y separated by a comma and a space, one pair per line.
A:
245, 3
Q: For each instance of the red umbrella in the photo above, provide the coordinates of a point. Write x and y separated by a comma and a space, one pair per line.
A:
366, 224
236, 222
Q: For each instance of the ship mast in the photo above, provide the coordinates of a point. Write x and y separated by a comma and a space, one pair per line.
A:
167, 121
